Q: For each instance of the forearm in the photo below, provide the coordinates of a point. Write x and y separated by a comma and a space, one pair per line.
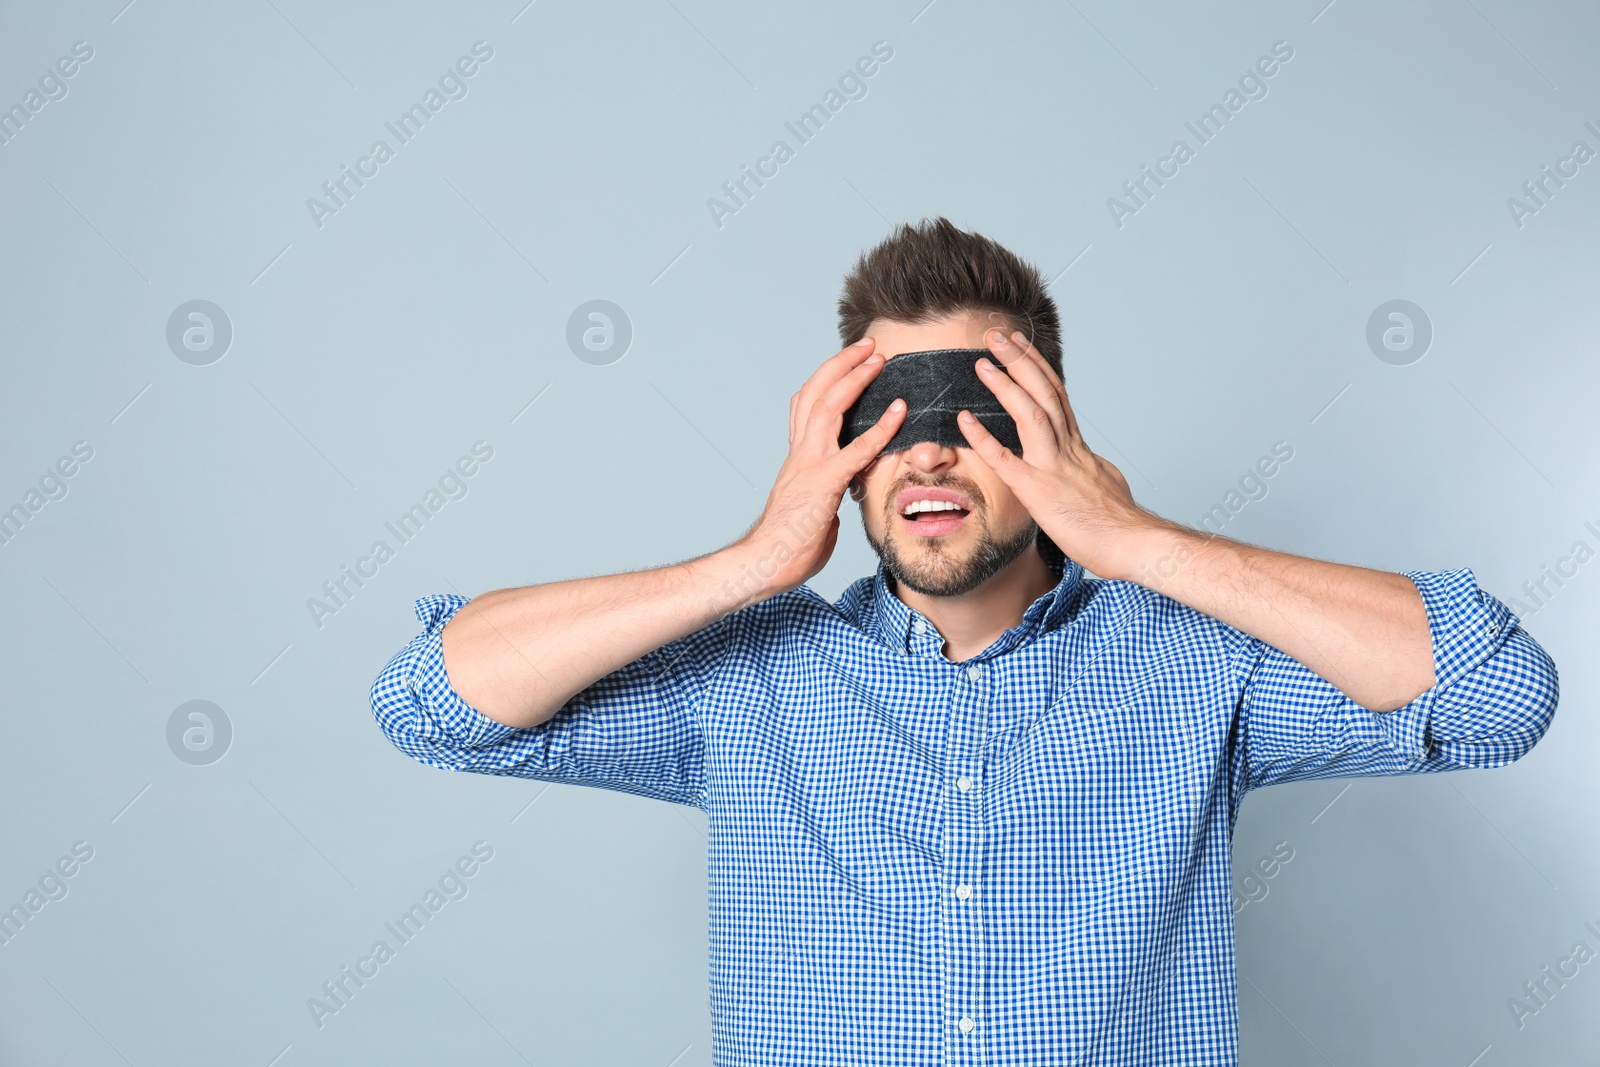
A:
518, 655
1365, 631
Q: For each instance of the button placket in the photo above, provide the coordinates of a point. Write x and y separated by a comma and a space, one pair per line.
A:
961, 919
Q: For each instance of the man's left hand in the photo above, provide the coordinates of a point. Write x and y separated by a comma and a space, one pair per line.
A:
1080, 500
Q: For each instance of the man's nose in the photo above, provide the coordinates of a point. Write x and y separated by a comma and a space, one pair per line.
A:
931, 456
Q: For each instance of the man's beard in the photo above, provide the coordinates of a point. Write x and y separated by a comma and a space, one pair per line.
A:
943, 575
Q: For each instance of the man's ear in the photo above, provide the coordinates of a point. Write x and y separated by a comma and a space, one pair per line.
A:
857, 490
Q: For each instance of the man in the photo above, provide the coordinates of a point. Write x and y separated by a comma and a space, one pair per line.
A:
979, 810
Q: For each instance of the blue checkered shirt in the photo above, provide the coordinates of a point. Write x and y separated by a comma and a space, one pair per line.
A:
1022, 858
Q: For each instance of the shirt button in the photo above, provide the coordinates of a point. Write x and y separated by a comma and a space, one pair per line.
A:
974, 671
963, 891
920, 626
963, 783
966, 1024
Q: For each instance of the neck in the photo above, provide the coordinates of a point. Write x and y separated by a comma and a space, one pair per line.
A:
971, 622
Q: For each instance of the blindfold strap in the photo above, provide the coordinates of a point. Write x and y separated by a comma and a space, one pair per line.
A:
936, 385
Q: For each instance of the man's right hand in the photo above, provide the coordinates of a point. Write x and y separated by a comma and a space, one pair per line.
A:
518, 655
796, 533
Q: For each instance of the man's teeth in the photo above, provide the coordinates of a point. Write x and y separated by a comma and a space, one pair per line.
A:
931, 505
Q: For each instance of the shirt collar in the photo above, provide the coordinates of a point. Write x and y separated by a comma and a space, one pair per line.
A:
908, 631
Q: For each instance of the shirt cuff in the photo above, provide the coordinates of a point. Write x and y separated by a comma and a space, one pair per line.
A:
441, 715
1466, 626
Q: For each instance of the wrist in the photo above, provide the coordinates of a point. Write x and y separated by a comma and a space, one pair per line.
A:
1155, 552
736, 576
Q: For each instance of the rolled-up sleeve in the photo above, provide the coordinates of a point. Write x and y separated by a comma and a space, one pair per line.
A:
637, 730
1493, 698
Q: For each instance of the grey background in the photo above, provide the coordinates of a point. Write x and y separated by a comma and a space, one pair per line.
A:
431, 312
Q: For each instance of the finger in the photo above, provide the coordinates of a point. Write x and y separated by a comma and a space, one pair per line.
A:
1029, 369
826, 417
1038, 430
859, 455
794, 402
1021, 341
824, 377
1056, 384
1004, 462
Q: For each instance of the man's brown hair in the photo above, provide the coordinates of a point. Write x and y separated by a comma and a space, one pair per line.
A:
931, 270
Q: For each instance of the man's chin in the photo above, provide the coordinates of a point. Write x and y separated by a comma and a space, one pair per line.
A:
950, 565
933, 581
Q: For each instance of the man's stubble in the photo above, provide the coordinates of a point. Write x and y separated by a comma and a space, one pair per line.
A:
939, 573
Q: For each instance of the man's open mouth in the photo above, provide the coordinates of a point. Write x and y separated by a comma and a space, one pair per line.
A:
931, 517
